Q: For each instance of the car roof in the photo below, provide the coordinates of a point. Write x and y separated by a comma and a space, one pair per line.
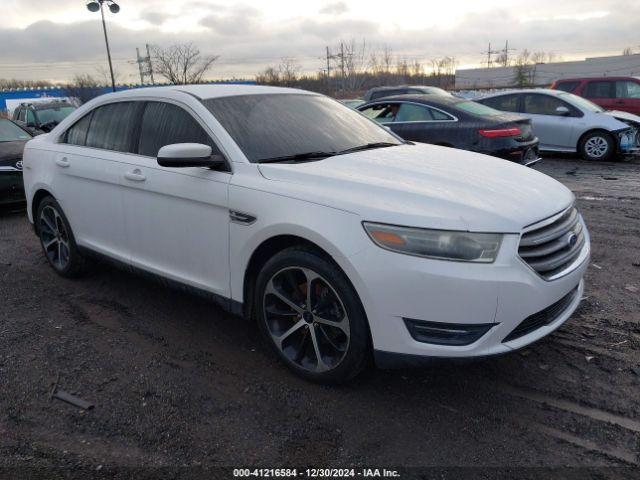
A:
597, 79
547, 91
426, 98
45, 105
204, 92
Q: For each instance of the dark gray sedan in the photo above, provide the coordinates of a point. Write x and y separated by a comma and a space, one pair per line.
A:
458, 123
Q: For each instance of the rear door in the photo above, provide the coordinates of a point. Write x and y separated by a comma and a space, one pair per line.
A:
628, 96
554, 130
177, 219
601, 92
422, 123
89, 168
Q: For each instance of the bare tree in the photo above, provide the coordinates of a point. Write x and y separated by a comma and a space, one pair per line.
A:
288, 70
269, 76
104, 76
181, 64
7, 84
83, 88
355, 65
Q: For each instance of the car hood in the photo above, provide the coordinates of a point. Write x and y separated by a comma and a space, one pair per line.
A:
426, 186
624, 116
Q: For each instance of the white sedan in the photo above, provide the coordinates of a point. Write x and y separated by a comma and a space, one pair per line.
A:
341, 239
565, 122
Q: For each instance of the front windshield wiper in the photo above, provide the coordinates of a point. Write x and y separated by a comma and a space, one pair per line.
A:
297, 157
368, 146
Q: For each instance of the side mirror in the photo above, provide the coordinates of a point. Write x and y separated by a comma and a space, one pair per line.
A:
180, 155
561, 110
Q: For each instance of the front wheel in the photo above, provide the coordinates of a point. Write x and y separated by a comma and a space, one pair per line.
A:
311, 316
598, 145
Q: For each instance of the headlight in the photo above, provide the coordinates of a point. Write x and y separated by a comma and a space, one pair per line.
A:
440, 244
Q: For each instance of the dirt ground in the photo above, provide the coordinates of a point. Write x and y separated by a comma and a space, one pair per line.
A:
178, 383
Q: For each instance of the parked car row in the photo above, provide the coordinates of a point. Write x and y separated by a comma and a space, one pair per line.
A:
342, 240
519, 123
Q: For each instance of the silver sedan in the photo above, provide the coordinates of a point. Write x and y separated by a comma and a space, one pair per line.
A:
567, 123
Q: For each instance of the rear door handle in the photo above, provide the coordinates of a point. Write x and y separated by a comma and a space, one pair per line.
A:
135, 176
63, 162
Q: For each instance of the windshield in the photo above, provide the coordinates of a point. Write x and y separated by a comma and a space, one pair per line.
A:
10, 132
581, 103
284, 125
478, 109
54, 114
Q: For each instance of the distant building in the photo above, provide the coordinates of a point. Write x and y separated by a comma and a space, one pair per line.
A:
543, 74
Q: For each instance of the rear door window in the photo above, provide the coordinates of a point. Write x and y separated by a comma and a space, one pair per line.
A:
599, 90
505, 103
77, 134
165, 124
538, 104
410, 112
627, 89
113, 127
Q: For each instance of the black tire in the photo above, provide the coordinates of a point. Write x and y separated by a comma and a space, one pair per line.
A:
597, 146
52, 225
334, 296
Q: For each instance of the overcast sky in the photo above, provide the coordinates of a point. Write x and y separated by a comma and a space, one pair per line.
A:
55, 39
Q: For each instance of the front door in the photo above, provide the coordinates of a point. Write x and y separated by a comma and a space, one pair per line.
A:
555, 130
177, 219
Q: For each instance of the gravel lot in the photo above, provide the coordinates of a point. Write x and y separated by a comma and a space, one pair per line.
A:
177, 382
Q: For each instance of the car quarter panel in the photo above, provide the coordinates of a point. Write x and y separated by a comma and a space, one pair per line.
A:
277, 212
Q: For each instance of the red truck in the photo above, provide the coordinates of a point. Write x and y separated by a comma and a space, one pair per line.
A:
611, 93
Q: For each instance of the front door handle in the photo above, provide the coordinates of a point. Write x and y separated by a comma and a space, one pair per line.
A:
63, 162
135, 176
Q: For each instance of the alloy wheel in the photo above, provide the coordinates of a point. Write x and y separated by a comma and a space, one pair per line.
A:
306, 319
596, 147
54, 237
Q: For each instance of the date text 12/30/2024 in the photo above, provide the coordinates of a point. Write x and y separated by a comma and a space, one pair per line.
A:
316, 473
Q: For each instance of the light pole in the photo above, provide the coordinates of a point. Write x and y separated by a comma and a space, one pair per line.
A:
94, 6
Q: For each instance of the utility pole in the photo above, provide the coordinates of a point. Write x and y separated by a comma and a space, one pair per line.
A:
150, 65
505, 52
94, 6
342, 63
328, 70
145, 66
490, 52
139, 60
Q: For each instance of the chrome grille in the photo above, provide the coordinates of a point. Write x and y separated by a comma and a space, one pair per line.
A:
553, 247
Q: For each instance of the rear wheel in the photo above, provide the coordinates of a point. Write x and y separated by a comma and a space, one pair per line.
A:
597, 145
311, 316
56, 238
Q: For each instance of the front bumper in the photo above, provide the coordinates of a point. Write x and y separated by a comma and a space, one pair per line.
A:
503, 294
11, 188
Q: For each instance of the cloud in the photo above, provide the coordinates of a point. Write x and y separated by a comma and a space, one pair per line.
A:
337, 8
154, 18
248, 41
